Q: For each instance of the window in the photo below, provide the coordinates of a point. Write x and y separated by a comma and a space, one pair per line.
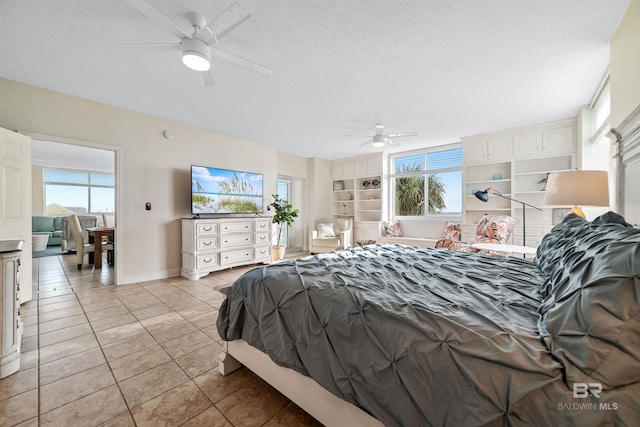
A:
436, 173
67, 191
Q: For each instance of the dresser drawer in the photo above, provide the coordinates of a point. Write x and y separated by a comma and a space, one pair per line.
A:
206, 243
262, 238
236, 227
236, 240
206, 228
232, 257
262, 226
263, 253
205, 261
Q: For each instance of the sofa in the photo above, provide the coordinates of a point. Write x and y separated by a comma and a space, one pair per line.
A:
417, 232
48, 225
86, 221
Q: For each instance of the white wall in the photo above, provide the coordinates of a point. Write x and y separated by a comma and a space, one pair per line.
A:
625, 65
154, 169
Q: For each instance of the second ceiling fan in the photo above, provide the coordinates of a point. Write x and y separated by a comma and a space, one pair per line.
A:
380, 139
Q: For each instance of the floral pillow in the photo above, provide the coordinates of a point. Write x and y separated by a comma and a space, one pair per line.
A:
452, 231
498, 227
392, 228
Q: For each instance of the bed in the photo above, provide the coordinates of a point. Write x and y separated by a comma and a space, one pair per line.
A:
414, 336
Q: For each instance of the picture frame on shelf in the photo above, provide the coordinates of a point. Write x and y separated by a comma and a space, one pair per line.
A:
338, 185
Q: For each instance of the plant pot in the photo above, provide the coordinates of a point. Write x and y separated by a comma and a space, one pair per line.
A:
278, 252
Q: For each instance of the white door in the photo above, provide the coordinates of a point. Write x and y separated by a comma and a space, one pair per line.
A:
15, 200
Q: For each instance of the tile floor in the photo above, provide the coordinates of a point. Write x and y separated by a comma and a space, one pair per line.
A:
140, 354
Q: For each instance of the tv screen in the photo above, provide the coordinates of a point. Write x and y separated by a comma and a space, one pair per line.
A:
225, 191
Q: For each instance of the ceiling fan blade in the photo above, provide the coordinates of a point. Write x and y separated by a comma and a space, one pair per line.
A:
359, 135
151, 13
391, 142
367, 142
207, 78
164, 46
399, 135
235, 16
253, 66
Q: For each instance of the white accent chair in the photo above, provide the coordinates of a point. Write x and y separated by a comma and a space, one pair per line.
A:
82, 248
331, 234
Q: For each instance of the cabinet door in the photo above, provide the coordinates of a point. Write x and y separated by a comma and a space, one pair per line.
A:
557, 140
361, 167
348, 169
527, 144
336, 170
500, 148
475, 151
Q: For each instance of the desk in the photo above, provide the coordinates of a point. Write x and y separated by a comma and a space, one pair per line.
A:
95, 237
505, 249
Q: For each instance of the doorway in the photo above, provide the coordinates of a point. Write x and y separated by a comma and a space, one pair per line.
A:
80, 177
291, 190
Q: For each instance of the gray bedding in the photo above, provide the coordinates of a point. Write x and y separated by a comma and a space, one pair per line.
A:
424, 337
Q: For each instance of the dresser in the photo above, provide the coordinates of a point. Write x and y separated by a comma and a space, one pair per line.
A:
217, 243
10, 324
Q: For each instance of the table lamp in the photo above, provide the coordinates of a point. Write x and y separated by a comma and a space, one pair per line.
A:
577, 188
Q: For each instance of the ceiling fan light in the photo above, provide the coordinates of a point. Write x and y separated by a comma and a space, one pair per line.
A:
378, 141
196, 54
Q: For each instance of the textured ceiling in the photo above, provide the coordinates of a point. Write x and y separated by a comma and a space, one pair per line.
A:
444, 69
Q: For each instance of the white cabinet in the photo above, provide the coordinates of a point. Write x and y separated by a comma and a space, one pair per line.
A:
558, 140
547, 141
10, 324
217, 243
527, 144
365, 231
342, 170
488, 150
368, 166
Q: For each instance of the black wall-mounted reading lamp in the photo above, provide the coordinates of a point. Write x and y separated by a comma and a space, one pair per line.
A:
484, 196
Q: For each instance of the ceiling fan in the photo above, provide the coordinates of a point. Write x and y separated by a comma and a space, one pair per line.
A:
197, 45
380, 138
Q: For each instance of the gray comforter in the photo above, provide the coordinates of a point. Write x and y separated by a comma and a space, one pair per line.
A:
418, 337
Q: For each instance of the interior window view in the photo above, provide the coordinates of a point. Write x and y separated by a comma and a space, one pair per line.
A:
342, 214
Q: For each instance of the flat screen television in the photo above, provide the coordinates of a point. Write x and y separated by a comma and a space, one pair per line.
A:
225, 191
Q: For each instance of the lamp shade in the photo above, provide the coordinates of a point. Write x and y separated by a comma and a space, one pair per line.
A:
577, 188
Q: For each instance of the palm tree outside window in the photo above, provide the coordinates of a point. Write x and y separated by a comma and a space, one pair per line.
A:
427, 183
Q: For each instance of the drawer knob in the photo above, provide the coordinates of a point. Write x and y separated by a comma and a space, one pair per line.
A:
208, 228
206, 261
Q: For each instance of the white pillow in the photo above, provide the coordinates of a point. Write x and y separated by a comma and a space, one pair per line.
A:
325, 230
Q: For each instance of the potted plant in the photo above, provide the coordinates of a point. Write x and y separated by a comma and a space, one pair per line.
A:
284, 217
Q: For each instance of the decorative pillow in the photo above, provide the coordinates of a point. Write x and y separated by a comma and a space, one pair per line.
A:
452, 231
392, 228
325, 229
590, 313
340, 225
497, 227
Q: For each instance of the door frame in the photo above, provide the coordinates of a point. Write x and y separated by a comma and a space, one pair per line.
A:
118, 152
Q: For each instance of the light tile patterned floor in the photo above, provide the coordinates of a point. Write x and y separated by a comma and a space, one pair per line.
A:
141, 354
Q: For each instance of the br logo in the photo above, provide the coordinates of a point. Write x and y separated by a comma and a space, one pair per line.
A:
582, 390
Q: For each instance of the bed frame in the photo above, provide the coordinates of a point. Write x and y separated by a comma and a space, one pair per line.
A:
324, 406
331, 410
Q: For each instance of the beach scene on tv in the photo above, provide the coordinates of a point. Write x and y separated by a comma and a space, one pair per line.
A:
221, 191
